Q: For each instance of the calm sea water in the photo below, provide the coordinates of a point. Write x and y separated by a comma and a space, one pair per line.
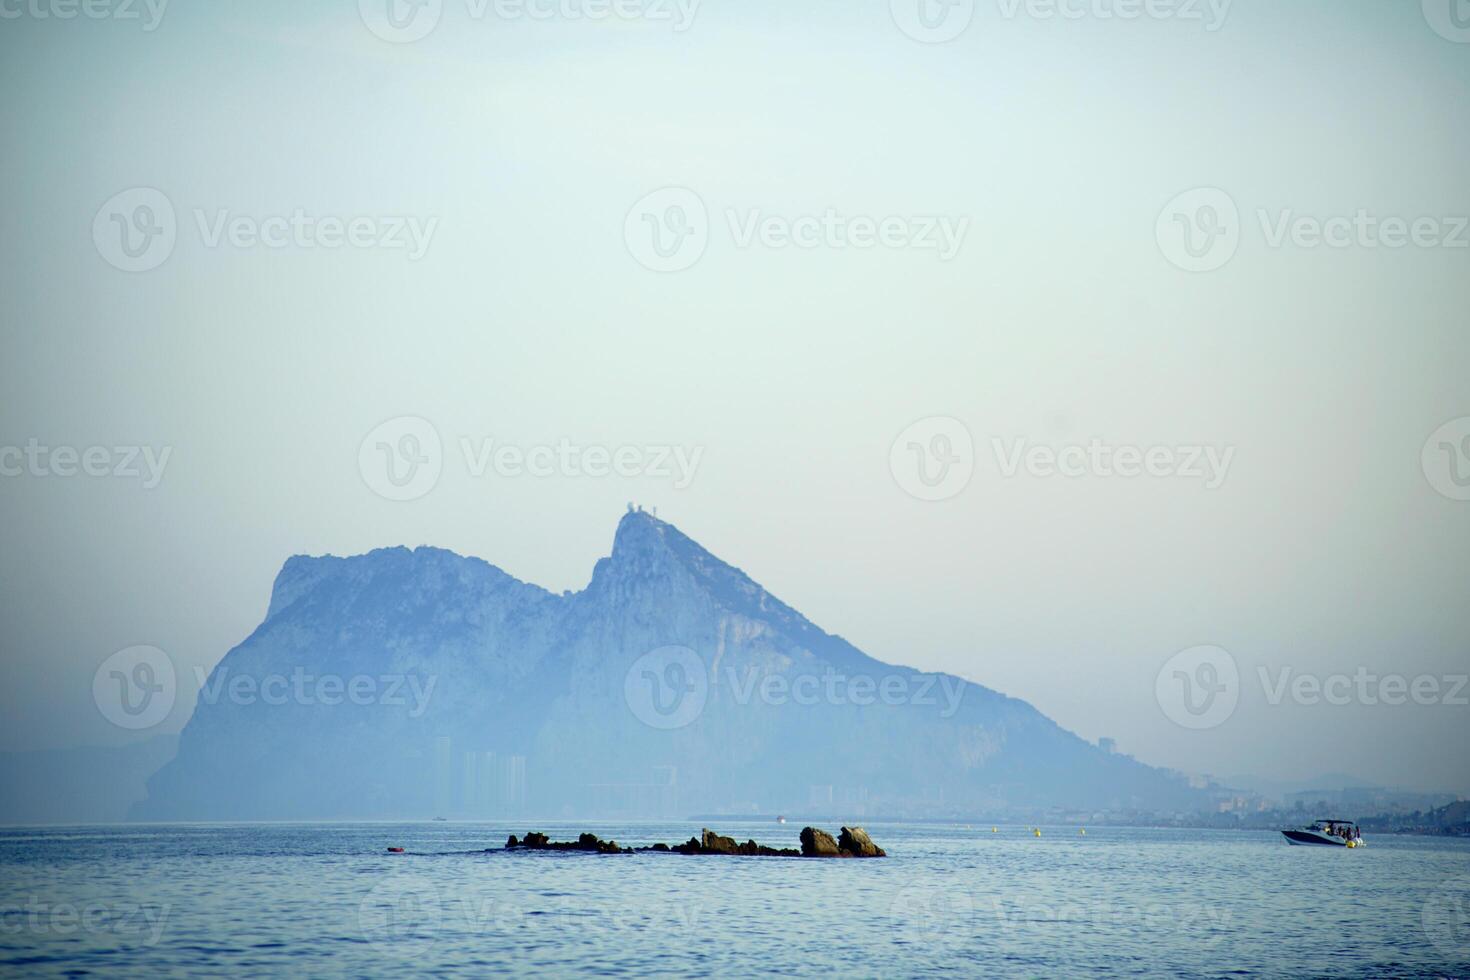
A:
326, 900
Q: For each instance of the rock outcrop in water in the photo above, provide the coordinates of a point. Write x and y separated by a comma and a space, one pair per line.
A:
710, 842
854, 842
584, 842
817, 843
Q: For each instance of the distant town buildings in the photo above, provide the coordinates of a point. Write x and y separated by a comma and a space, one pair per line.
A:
443, 754
490, 786
1366, 799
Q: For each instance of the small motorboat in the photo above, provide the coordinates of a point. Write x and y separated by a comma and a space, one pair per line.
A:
1329, 833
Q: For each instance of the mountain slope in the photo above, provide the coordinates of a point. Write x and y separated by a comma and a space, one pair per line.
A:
672, 683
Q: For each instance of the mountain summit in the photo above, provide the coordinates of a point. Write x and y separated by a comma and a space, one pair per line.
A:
416, 682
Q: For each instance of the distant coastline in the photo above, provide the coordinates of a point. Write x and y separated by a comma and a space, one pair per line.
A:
1451, 820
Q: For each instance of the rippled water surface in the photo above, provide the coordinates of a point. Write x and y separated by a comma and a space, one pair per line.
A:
323, 900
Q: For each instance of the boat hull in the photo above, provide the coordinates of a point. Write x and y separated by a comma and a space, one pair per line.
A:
1309, 838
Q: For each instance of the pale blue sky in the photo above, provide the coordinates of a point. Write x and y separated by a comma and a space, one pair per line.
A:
528, 321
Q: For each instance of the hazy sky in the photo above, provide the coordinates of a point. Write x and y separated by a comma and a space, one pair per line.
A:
510, 156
